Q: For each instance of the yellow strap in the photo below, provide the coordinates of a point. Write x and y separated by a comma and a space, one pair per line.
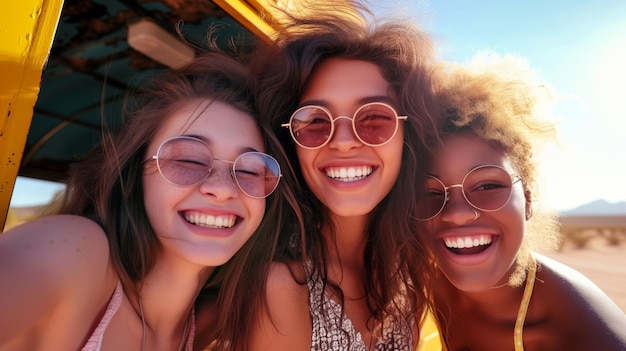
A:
521, 314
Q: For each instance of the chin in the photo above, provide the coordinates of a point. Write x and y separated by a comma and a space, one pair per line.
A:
468, 282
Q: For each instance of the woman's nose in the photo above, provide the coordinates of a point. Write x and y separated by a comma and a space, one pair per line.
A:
457, 209
220, 184
343, 137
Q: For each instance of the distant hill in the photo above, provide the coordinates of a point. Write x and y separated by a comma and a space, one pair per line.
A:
598, 208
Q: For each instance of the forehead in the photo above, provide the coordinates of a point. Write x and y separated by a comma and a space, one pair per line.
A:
340, 80
464, 151
221, 124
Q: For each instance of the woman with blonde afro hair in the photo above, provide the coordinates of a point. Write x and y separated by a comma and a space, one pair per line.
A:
494, 291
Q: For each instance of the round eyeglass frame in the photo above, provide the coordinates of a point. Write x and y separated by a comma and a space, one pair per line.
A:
332, 124
514, 179
210, 169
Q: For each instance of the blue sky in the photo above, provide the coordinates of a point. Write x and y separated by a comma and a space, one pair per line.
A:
579, 49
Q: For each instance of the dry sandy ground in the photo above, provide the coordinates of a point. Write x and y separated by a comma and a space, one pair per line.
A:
605, 265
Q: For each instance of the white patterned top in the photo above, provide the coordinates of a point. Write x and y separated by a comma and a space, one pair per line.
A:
334, 331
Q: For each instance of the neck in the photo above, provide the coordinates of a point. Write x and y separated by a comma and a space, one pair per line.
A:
144, 339
165, 322
500, 303
348, 241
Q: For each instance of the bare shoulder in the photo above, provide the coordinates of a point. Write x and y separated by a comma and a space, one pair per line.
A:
577, 284
53, 268
286, 323
63, 241
580, 307
287, 296
287, 293
288, 277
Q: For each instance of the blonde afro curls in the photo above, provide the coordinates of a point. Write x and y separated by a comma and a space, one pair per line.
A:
500, 99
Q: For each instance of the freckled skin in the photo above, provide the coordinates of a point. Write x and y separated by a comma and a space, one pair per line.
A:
60, 270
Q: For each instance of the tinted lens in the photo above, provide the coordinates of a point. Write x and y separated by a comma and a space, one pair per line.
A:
375, 123
256, 173
184, 161
311, 126
488, 188
187, 161
432, 200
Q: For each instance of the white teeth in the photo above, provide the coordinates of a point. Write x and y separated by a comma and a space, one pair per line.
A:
203, 220
467, 242
348, 174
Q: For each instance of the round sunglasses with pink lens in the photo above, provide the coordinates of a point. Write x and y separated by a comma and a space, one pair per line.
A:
374, 124
486, 188
186, 160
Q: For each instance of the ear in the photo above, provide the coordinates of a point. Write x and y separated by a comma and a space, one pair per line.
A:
529, 203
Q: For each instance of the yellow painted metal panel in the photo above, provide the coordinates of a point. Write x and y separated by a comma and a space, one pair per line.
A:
256, 19
27, 30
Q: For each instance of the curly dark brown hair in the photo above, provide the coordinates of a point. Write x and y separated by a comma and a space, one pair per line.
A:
395, 255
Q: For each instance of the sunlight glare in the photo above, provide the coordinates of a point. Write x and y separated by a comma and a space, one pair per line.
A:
610, 82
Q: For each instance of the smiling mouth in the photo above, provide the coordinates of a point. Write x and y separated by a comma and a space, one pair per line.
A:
348, 174
210, 221
468, 245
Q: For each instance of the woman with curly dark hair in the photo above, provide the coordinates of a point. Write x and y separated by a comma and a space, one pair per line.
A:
351, 102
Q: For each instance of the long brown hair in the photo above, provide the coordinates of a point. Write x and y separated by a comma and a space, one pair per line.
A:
107, 186
396, 260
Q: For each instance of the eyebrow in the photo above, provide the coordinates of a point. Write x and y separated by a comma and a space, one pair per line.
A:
377, 98
438, 176
209, 142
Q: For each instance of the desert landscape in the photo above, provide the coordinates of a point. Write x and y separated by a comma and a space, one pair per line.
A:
603, 263
595, 245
